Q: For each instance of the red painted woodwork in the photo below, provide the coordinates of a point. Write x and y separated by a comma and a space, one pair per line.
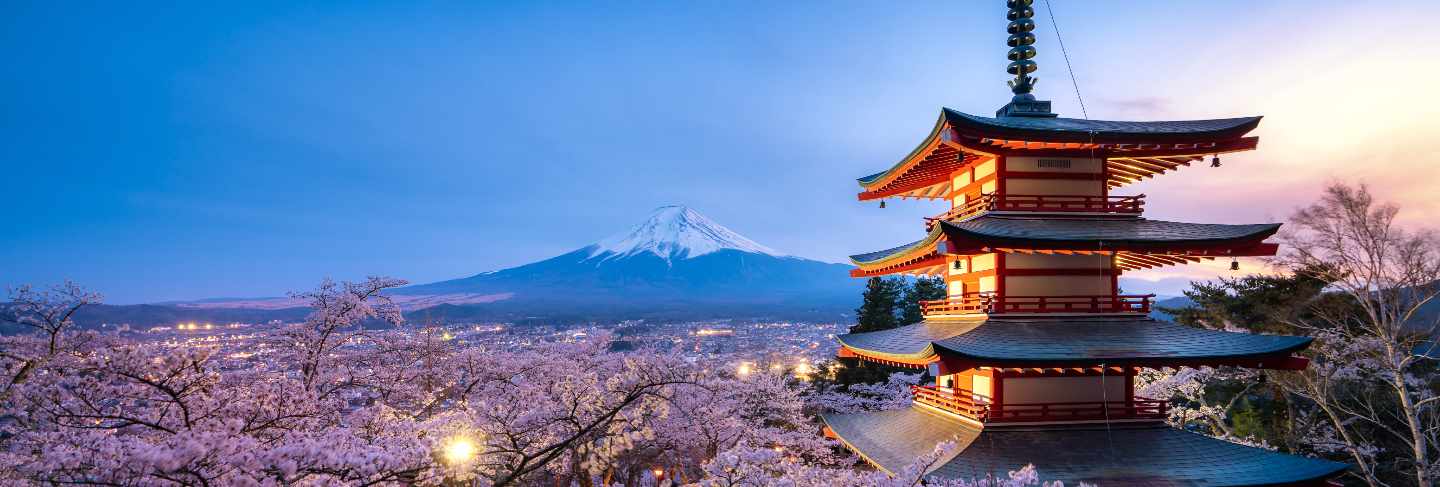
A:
968, 303
981, 408
956, 400
1139, 408
1059, 272
995, 303
846, 352
1131, 205
1115, 303
913, 265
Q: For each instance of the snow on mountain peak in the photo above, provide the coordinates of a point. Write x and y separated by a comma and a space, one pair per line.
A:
677, 232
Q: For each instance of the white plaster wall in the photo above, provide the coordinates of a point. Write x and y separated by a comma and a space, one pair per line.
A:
1057, 285
1056, 261
1023, 390
1022, 186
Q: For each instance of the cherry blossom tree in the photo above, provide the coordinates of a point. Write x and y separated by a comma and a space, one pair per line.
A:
1389, 275
330, 401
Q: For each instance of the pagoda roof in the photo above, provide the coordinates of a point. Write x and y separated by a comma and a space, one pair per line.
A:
1135, 150
920, 256
1057, 129
1097, 234
910, 343
1071, 341
1117, 454
1011, 232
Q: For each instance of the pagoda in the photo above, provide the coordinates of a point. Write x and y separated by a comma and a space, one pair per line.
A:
1035, 350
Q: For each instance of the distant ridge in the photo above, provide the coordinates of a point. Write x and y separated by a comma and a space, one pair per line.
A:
676, 264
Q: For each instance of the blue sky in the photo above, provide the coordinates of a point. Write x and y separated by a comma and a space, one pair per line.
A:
198, 150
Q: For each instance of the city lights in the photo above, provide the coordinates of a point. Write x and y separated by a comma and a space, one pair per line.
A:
744, 369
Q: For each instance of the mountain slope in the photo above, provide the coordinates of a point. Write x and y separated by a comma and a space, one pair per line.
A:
675, 258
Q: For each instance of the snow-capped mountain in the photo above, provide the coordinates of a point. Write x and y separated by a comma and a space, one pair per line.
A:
676, 262
676, 232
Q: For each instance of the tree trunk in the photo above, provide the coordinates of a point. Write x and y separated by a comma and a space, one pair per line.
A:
1417, 433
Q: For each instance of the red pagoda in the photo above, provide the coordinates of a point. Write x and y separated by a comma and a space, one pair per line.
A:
1035, 350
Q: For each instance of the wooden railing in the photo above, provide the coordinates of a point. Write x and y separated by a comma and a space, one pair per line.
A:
959, 401
1140, 408
972, 303
1043, 203
979, 407
1110, 303
1088, 204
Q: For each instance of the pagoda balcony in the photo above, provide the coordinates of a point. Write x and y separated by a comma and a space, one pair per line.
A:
1125, 205
991, 303
980, 408
958, 401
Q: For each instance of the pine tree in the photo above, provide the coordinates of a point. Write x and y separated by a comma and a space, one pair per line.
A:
923, 289
878, 309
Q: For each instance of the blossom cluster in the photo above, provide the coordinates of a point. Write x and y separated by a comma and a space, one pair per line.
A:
336, 403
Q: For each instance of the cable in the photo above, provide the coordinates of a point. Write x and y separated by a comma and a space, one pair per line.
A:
1105, 406
1066, 54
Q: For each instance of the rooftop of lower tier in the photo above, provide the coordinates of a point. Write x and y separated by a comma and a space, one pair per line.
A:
1118, 454
1009, 232
1109, 232
1097, 233
1071, 341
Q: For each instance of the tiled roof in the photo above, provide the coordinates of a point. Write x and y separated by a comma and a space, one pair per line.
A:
1135, 339
911, 341
882, 254
897, 251
892, 440
1043, 128
1122, 454
1129, 231
1036, 341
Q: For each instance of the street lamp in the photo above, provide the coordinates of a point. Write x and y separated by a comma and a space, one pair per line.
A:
459, 450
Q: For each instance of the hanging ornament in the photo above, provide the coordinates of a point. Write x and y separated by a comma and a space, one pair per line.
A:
1215, 160
882, 203
1234, 264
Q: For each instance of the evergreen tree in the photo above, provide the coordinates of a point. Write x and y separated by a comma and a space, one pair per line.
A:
878, 310
922, 289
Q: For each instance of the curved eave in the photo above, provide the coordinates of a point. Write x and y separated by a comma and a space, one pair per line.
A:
1107, 235
1136, 342
1099, 131
892, 440
910, 345
920, 253
882, 177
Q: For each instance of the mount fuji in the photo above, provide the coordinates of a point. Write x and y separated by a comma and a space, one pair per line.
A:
675, 264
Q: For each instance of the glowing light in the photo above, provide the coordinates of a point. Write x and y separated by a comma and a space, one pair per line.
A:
744, 369
659, 472
460, 450
709, 332
447, 336
803, 370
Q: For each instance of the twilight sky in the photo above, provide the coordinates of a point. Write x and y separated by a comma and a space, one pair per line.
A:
198, 150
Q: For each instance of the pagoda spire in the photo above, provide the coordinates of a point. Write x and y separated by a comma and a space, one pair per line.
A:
1022, 51
1022, 47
